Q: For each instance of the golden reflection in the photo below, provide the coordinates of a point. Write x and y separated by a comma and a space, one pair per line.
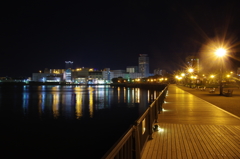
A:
137, 96
128, 95
133, 95
91, 101
124, 94
40, 103
149, 96
55, 105
77, 89
160, 129
118, 94
78, 105
143, 126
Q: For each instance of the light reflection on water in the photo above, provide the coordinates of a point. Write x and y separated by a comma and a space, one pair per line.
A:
72, 102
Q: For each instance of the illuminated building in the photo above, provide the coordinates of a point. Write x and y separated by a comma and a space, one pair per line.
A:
159, 72
193, 62
46, 77
107, 75
67, 76
132, 69
143, 65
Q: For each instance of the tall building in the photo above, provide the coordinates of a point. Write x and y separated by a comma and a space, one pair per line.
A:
193, 62
68, 64
143, 65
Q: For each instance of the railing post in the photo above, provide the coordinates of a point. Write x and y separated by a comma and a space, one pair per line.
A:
137, 142
156, 110
150, 124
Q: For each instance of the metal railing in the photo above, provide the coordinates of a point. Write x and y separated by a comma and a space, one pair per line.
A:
131, 144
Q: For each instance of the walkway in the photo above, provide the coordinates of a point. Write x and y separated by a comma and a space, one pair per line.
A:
193, 128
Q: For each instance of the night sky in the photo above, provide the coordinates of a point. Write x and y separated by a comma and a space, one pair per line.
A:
99, 34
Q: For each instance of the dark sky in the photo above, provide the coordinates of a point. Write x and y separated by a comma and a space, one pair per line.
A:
43, 34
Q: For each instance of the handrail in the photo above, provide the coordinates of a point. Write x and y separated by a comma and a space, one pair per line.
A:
118, 145
131, 144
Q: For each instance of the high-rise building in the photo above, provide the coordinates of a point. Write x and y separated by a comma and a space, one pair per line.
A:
193, 62
68, 64
143, 65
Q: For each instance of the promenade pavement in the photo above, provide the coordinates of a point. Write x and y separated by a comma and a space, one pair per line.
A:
230, 104
191, 127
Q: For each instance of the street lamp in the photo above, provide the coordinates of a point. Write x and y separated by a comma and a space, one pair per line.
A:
220, 53
190, 70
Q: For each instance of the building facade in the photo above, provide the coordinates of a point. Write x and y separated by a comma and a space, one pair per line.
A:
193, 62
143, 65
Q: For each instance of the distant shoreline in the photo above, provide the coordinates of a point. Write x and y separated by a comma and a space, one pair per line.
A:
132, 85
41, 83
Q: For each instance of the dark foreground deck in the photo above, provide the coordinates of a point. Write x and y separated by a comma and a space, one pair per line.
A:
193, 128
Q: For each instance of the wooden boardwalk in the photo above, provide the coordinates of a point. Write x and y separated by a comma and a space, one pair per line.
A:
193, 128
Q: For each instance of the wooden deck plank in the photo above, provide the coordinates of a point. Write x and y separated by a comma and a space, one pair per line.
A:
161, 144
227, 149
200, 145
182, 146
215, 149
193, 128
235, 130
214, 136
164, 143
194, 141
155, 149
177, 140
228, 141
169, 142
203, 142
173, 142
186, 141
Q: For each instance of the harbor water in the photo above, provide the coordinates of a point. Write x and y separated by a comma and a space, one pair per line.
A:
74, 121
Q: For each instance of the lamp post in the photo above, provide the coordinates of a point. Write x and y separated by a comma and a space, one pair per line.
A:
220, 53
191, 70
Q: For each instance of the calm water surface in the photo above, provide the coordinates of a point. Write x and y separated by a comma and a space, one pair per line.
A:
77, 121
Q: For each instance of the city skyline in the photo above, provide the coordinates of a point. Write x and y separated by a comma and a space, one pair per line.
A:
96, 34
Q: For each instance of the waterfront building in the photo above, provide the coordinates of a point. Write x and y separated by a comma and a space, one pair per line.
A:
132, 69
67, 75
143, 65
108, 75
159, 72
193, 62
91, 75
46, 77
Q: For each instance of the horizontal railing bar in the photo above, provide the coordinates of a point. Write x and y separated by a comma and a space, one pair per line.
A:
118, 145
115, 149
